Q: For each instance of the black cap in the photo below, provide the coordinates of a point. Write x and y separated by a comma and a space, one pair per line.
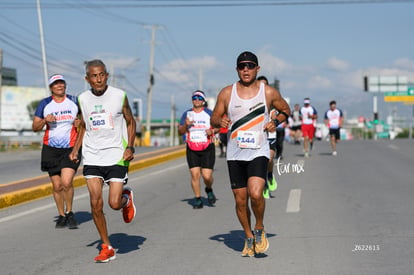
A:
247, 56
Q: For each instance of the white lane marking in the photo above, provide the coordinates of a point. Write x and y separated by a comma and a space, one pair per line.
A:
37, 209
395, 147
158, 172
51, 205
293, 203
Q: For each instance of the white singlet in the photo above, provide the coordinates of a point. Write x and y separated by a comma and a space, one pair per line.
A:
106, 135
247, 139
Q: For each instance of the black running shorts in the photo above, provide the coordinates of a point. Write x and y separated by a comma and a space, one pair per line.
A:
53, 160
203, 159
336, 133
113, 173
240, 171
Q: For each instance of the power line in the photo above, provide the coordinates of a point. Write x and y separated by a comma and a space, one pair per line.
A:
188, 4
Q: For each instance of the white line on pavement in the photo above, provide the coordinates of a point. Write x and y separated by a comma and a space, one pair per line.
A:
395, 147
293, 203
159, 172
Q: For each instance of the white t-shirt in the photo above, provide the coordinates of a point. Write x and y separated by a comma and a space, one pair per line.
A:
106, 134
333, 117
306, 112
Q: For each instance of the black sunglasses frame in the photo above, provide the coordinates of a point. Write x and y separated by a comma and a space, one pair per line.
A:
249, 65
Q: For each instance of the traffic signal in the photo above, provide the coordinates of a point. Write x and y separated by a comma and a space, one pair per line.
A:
135, 108
376, 120
366, 83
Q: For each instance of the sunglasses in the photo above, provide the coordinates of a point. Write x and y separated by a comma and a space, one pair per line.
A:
249, 65
197, 97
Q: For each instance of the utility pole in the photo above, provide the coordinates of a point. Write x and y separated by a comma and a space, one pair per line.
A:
1, 83
151, 79
42, 44
172, 121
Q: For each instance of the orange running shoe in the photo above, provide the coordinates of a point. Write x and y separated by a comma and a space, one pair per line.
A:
128, 211
107, 254
248, 250
261, 244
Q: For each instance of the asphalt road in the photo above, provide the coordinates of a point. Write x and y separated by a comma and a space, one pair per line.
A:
349, 214
21, 164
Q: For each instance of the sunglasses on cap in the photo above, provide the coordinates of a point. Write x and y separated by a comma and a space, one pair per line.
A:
197, 97
249, 65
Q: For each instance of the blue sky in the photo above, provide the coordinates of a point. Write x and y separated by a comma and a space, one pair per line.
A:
316, 51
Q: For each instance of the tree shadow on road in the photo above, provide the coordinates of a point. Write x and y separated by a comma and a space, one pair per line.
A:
123, 242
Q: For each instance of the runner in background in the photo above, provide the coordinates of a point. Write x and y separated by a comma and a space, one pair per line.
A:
201, 154
271, 183
223, 141
295, 125
308, 116
58, 113
334, 121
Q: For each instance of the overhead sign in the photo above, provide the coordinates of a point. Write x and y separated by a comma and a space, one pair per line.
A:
384, 84
407, 96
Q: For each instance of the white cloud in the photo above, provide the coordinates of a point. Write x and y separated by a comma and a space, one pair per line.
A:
179, 70
272, 64
319, 82
336, 64
404, 63
115, 62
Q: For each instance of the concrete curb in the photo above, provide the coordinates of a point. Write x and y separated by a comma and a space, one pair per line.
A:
43, 190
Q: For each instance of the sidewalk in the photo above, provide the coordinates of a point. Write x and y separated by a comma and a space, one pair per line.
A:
36, 187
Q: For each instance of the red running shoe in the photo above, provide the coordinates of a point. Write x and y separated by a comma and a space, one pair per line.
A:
128, 211
107, 254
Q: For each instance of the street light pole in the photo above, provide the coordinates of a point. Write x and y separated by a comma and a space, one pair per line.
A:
42, 44
1, 83
151, 80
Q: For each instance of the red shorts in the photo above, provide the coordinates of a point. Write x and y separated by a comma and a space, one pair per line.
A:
308, 130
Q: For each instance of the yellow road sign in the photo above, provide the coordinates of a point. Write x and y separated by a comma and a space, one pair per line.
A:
399, 98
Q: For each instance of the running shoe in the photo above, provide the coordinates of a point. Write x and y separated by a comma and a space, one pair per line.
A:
266, 193
248, 250
61, 222
129, 210
70, 218
198, 203
211, 197
107, 254
334, 153
261, 242
271, 183
306, 154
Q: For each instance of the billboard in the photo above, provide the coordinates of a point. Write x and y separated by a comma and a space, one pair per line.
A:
17, 106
